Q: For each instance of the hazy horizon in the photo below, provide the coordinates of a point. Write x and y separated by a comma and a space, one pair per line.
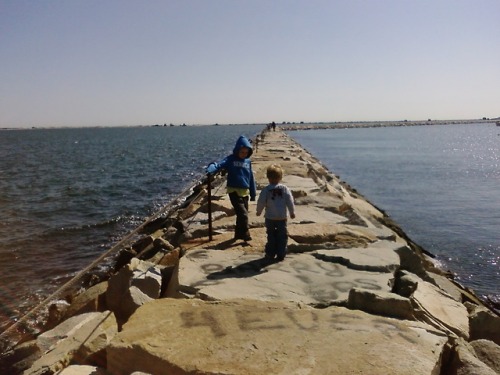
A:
396, 122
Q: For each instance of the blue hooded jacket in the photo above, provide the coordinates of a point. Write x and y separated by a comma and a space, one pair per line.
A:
239, 171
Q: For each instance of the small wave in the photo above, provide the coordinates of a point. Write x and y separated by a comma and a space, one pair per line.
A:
102, 224
69, 202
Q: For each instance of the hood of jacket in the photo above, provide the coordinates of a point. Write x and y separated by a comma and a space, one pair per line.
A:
243, 142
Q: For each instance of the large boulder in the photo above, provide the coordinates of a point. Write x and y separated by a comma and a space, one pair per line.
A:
440, 309
484, 324
91, 300
135, 284
488, 352
173, 336
82, 338
465, 362
380, 303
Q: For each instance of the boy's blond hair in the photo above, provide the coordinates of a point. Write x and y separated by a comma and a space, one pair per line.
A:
275, 172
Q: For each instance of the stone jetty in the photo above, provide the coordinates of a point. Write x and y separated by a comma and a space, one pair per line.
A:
379, 124
353, 296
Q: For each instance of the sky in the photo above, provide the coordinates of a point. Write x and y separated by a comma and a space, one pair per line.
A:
125, 63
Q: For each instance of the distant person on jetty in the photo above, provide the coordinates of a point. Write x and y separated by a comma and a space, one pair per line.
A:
276, 198
240, 183
271, 125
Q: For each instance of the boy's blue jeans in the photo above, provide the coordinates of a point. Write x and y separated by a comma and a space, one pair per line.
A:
277, 238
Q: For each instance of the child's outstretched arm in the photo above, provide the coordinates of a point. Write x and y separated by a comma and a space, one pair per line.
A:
212, 168
216, 167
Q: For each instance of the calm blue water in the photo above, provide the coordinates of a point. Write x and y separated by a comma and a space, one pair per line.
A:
68, 195
440, 183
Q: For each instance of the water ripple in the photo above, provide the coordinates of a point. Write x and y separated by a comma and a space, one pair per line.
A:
70, 194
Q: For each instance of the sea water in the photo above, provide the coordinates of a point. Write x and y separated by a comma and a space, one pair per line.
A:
440, 183
68, 195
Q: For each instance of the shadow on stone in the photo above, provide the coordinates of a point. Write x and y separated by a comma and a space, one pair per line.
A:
247, 269
228, 244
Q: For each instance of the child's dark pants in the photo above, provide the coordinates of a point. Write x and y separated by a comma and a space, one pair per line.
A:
277, 238
240, 205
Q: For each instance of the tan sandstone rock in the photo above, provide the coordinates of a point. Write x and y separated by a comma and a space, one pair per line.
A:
218, 275
173, 336
80, 338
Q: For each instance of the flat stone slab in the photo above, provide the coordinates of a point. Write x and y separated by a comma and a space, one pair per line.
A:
220, 275
311, 214
296, 183
342, 235
443, 308
379, 257
172, 336
76, 338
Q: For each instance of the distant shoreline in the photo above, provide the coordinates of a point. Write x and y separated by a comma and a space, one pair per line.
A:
378, 124
122, 126
285, 125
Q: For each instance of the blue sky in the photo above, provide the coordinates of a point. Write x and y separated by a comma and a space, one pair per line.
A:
123, 62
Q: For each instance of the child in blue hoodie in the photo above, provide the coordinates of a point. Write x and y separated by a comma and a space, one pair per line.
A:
240, 183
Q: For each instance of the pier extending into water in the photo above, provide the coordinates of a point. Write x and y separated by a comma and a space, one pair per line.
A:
353, 296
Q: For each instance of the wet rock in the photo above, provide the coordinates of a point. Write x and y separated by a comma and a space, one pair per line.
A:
19, 358
91, 300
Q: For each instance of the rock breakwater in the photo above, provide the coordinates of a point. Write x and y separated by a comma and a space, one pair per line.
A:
353, 296
377, 124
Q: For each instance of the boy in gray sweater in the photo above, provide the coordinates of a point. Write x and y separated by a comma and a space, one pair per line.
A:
276, 198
